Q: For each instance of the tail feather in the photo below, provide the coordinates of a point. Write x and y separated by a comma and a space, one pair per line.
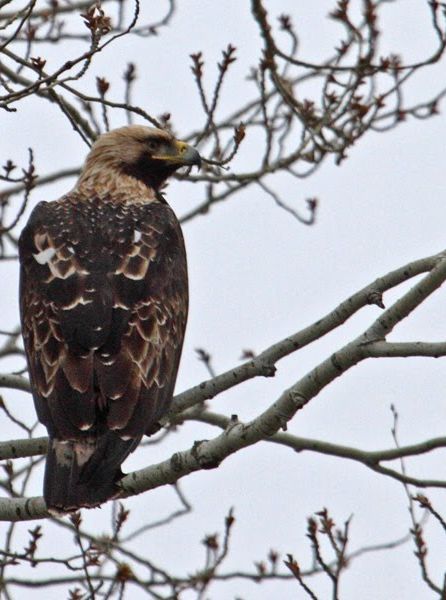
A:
84, 473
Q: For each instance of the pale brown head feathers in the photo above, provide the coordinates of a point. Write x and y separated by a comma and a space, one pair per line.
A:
136, 157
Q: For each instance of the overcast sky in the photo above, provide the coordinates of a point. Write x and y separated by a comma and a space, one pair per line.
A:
256, 276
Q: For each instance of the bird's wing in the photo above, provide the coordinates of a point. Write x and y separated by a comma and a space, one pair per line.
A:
103, 298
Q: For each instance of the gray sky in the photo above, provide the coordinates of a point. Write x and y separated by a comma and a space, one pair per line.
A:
257, 275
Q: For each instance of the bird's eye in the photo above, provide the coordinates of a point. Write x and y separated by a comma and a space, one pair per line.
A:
153, 145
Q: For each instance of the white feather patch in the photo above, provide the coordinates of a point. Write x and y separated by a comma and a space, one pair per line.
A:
44, 256
86, 427
84, 451
137, 235
76, 302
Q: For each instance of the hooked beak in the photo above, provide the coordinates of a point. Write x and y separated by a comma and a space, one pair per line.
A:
187, 155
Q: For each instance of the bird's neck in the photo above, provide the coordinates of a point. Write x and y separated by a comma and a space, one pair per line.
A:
114, 184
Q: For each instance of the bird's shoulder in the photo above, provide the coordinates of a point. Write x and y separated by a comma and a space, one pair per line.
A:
97, 224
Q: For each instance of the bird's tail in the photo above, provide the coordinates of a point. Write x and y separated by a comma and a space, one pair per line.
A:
84, 473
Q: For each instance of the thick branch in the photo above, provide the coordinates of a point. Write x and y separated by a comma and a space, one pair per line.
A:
15, 382
369, 458
210, 453
263, 364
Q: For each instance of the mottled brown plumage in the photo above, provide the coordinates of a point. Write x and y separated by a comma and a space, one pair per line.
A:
104, 298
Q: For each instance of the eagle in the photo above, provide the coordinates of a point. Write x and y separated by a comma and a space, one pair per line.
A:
103, 305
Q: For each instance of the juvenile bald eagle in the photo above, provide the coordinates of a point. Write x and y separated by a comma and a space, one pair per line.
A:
103, 302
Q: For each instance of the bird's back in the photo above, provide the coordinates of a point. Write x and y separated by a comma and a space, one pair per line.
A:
104, 306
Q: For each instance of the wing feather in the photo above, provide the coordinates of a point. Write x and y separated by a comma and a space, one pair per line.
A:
104, 309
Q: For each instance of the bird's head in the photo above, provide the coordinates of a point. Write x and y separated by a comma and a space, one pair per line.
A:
147, 154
